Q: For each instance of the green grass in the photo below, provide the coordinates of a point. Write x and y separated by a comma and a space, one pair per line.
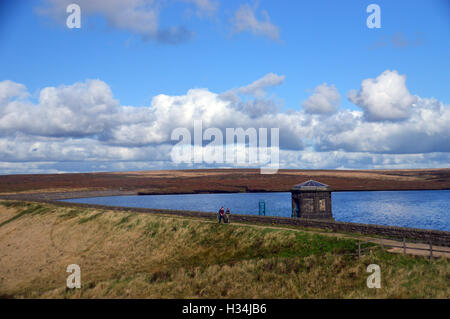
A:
89, 218
24, 209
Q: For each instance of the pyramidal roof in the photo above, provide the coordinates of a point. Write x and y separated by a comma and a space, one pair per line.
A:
311, 185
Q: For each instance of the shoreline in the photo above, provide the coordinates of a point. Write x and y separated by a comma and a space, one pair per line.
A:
58, 195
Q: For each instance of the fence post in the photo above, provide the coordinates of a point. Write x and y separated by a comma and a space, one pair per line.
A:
381, 243
404, 246
431, 250
359, 249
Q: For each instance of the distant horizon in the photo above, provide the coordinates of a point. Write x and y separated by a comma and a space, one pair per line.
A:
233, 168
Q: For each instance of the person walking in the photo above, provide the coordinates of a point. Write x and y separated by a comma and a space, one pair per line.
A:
221, 215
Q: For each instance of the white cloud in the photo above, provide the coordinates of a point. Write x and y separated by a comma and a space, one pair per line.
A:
81, 109
258, 88
139, 17
426, 130
384, 98
325, 99
10, 89
245, 20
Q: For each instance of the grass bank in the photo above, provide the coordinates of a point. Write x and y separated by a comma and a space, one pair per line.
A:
135, 255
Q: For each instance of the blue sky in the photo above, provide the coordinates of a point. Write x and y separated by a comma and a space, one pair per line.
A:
226, 45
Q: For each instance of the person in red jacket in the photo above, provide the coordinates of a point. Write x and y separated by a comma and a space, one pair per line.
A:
221, 215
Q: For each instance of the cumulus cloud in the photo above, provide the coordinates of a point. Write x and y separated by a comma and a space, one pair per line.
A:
10, 89
84, 123
245, 19
82, 109
258, 90
384, 98
325, 99
426, 130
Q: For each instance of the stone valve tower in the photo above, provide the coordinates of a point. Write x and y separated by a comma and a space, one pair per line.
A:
311, 200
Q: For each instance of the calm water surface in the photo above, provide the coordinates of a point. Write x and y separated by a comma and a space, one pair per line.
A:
419, 209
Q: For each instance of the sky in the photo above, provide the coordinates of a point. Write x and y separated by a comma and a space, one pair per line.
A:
109, 95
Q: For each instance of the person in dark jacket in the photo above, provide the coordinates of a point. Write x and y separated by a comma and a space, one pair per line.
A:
227, 216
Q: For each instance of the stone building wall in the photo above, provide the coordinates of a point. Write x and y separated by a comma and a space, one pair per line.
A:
311, 204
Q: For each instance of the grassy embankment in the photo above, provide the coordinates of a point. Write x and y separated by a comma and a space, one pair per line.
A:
140, 255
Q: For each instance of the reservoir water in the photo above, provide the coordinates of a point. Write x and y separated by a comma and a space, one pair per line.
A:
418, 209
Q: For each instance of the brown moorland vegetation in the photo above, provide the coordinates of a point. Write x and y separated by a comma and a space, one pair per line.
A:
225, 180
